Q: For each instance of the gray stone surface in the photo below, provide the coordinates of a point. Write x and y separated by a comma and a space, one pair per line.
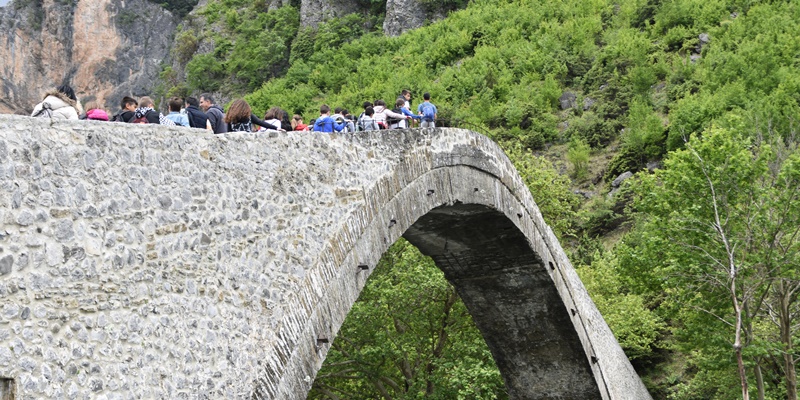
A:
403, 15
224, 290
621, 178
568, 100
312, 12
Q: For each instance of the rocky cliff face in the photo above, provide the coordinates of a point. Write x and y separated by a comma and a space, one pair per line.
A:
403, 15
105, 49
312, 12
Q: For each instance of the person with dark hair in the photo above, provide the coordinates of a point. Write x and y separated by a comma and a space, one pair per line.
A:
197, 118
339, 117
275, 116
325, 123
427, 111
127, 108
175, 115
215, 114
405, 95
382, 114
240, 118
398, 123
146, 114
366, 122
59, 104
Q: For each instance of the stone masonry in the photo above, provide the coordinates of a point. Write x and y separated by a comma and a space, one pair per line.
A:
145, 261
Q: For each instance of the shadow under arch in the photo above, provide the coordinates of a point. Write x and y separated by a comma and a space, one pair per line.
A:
458, 198
511, 298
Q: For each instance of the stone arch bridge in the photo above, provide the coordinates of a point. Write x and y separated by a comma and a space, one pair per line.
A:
156, 262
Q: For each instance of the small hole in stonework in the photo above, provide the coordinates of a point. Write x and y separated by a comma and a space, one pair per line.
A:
7, 389
431, 191
477, 190
363, 267
321, 341
552, 266
574, 312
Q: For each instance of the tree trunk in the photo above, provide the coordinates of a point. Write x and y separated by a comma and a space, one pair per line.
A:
759, 380
737, 343
790, 375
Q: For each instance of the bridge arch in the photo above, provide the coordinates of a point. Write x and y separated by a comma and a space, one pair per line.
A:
161, 262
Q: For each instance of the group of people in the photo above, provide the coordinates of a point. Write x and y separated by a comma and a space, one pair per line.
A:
205, 114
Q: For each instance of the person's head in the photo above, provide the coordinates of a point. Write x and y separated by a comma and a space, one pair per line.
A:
324, 109
406, 94
346, 112
128, 103
380, 103
145, 101
400, 103
91, 105
338, 110
192, 101
369, 111
206, 101
296, 120
366, 104
239, 111
274, 113
426, 96
175, 104
67, 90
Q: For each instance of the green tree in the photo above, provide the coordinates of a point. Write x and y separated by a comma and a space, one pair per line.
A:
719, 229
408, 336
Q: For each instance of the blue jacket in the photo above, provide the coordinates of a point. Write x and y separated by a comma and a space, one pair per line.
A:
327, 124
178, 118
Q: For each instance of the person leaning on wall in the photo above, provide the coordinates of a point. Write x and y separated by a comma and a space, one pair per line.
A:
58, 104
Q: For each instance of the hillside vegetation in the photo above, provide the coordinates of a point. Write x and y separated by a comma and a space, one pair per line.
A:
695, 262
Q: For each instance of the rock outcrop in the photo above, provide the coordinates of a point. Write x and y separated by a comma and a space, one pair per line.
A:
403, 15
104, 49
312, 12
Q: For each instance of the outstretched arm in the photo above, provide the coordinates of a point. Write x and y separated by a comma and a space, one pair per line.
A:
260, 122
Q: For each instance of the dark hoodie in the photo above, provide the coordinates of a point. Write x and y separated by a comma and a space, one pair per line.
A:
217, 118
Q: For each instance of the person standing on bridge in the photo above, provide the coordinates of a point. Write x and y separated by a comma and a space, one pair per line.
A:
59, 104
175, 115
427, 111
127, 108
325, 123
215, 114
197, 118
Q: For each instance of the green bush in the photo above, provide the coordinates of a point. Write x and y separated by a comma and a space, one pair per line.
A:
578, 157
591, 129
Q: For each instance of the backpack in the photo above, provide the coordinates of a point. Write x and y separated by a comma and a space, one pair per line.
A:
428, 113
140, 120
45, 112
391, 120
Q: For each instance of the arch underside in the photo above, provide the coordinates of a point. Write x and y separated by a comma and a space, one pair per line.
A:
512, 299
